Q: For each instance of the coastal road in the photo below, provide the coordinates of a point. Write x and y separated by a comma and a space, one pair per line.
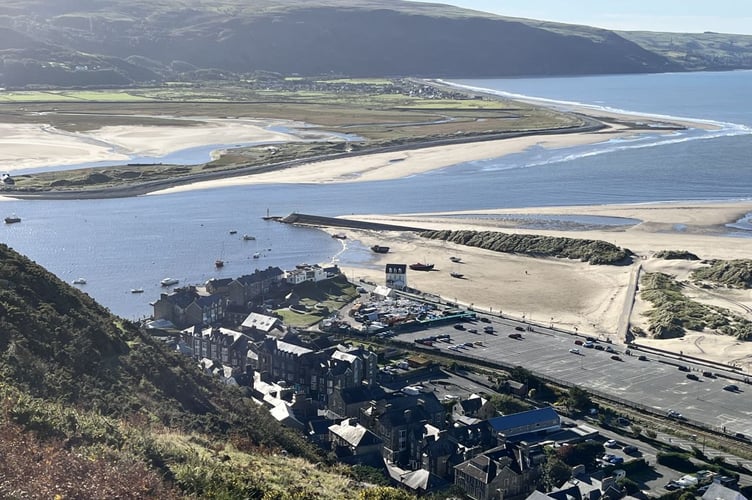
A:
656, 383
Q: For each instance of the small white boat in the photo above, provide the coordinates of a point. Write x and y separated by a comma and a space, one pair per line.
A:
248, 237
169, 282
455, 259
456, 275
79, 281
256, 255
137, 290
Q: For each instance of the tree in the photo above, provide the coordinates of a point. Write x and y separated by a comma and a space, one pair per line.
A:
384, 493
578, 398
555, 472
507, 404
581, 453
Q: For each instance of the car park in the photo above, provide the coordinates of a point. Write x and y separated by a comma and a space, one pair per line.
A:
574, 351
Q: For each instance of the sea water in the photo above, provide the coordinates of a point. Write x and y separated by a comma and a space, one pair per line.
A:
120, 244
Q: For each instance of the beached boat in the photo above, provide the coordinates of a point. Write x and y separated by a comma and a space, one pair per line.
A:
419, 266
248, 237
79, 281
380, 249
169, 282
137, 290
455, 259
456, 275
339, 236
12, 219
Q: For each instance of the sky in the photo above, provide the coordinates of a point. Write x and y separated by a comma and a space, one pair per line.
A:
683, 16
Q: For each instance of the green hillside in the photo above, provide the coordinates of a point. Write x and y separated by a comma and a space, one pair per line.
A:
94, 408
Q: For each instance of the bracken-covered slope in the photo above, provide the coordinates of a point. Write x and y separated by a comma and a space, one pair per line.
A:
88, 42
91, 407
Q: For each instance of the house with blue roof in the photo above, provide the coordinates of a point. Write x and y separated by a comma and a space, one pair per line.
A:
518, 425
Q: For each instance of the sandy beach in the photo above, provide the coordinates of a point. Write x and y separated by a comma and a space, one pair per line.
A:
571, 294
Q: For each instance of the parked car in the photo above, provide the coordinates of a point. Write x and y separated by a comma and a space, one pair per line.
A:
591, 339
459, 326
484, 319
472, 330
623, 421
692, 376
731, 388
672, 485
599, 347
488, 329
610, 349
630, 449
674, 414
515, 336
519, 328
578, 342
642, 357
574, 351
588, 344
708, 374
616, 460
683, 368
611, 443
616, 358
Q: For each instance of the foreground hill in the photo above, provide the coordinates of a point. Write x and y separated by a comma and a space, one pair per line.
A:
94, 408
117, 42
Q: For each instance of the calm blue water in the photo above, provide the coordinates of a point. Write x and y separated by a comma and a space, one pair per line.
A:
133, 243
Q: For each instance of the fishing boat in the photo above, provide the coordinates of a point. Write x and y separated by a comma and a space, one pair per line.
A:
456, 275
339, 236
248, 237
380, 249
79, 281
12, 219
455, 259
137, 290
256, 255
419, 266
169, 282
233, 232
219, 263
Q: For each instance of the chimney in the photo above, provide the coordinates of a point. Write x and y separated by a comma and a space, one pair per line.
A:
408, 415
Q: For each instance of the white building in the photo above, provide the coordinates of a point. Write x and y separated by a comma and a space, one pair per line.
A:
396, 276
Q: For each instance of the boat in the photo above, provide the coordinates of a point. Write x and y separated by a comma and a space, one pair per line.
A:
339, 236
455, 259
219, 263
137, 290
248, 237
12, 219
233, 232
169, 282
256, 255
419, 266
79, 281
456, 275
380, 249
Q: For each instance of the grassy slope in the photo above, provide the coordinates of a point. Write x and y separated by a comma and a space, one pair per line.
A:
103, 404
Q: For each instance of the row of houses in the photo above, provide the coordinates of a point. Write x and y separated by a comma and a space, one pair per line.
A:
230, 300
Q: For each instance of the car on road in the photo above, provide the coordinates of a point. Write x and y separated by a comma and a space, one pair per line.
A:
574, 351
731, 388
692, 376
674, 414
611, 443
616, 358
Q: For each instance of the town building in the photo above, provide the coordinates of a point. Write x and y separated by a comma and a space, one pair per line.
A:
185, 307
311, 272
527, 424
220, 345
396, 276
354, 444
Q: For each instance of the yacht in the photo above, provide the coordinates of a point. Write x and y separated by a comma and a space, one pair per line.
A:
248, 237
79, 281
12, 219
137, 290
169, 282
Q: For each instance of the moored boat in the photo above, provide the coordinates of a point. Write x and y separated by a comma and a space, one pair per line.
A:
233, 232
137, 290
219, 263
455, 259
169, 282
456, 275
419, 266
256, 255
339, 236
248, 237
12, 219
79, 281
380, 249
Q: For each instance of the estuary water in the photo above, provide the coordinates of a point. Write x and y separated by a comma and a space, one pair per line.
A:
120, 244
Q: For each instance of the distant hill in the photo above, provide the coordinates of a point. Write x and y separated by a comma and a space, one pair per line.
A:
118, 42
94, 408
